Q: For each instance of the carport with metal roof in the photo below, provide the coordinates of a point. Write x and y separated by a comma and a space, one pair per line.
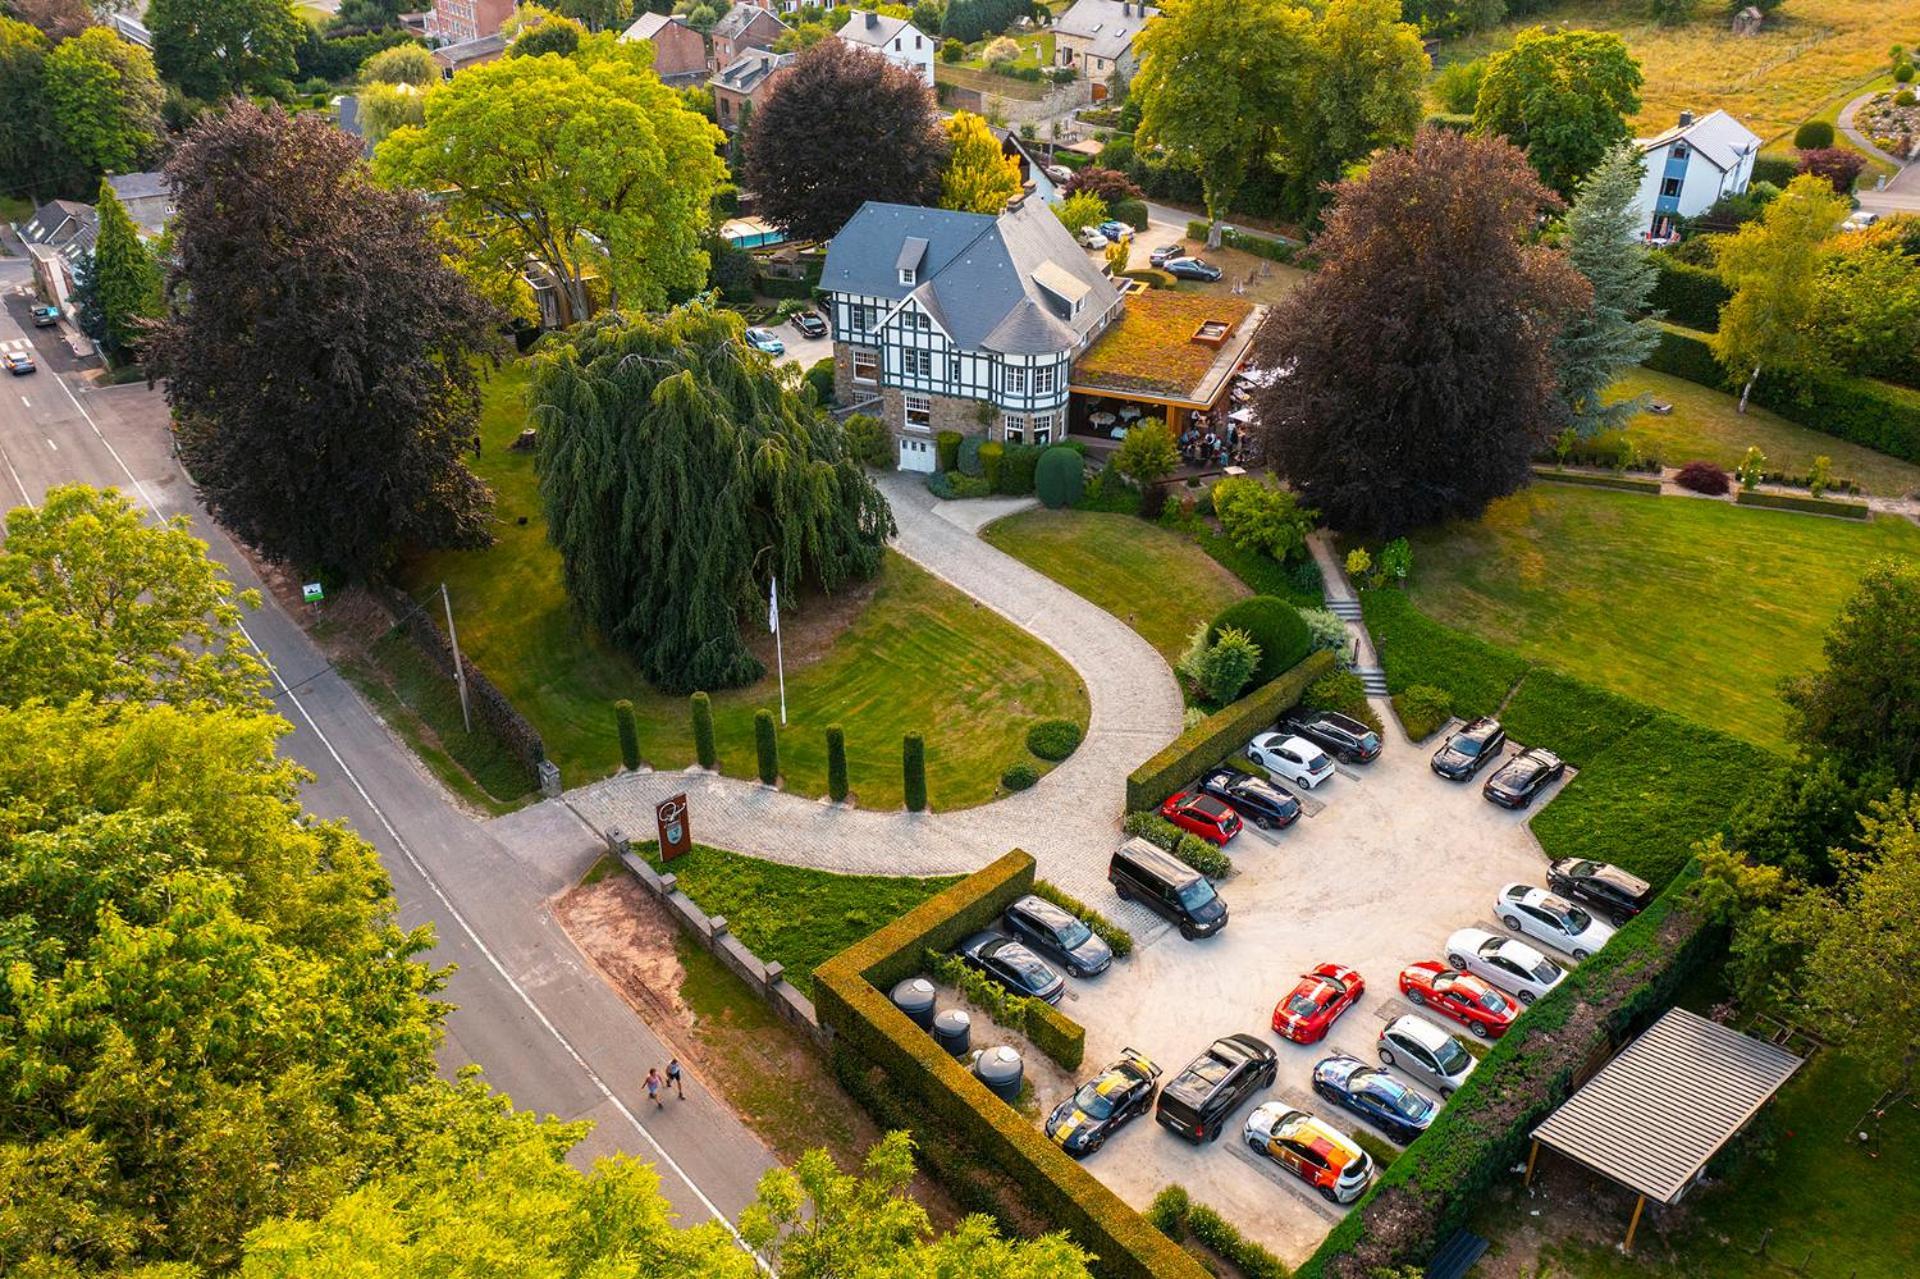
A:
1660, 1110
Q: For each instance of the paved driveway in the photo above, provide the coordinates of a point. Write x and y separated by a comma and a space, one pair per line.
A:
801, 349
1394, 861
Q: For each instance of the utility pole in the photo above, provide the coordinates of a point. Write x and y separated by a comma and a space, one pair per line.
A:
459, 667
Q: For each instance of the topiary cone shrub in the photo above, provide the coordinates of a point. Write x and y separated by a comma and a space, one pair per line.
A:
1704, 477
629, 733
703, 729
836, 764
1272, 624
766, 746
1060, 477
913, 762
1054, 739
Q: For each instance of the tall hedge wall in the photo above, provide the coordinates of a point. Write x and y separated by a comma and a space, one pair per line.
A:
850, 996
1690, 295
1220, 734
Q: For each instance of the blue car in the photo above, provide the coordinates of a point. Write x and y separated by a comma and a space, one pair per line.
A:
1118, 232
1400, 1111
764, 340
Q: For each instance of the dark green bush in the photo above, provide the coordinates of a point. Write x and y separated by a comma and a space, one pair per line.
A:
1274, 625
1574, 720
952, 485
1423, 710
991, 457
869, 439
1019, 777
1131, 212
1775, 169
946, 447
1342, 691
337, 58
1054, 739
1220, 734
703, 730
836, 763
1624, 483
1059, 477
629, 733
1690, 295
766, 746
1813, 135
913, 763
1811, 505
970, 460
1118, 939
1152, 277
1017, 463
1223, 1237
1168, 1211
1298, 582
820, 378
1415, 650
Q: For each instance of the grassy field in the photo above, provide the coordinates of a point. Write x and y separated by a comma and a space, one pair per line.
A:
1155, 580
1811, 52
1695, 607
916, 656
1705, 424
1036, 50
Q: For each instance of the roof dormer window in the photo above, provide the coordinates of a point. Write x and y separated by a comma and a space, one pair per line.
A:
906, 276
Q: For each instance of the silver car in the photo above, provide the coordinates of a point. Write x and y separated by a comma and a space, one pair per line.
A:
1417, 1047
1511, 965
1552, 919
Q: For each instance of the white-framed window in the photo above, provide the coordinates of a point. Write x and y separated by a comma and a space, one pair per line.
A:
917, 410
1016, 380
1043, 379
866, 365
1043, 428
906, 275
1013, 428
921, 321
856, 318
917, 363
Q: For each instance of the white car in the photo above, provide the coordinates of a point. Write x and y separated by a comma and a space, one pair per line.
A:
1551, 919
1421, 1049
1090, 237
1290, 759
1511, 965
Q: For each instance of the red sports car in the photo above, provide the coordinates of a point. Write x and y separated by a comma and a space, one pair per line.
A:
1468, 1000
1201, 815
1309, 1012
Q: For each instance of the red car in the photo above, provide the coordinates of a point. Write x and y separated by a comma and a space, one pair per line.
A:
1201, 815
1316, 1003
1468, 1000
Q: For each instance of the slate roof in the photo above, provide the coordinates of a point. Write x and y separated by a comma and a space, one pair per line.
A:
1656, 1113
738, 19
1717, 136
647, 26
750, 70
977, 277
1108, 26
66, 226
873, 28
469, 52
140, 186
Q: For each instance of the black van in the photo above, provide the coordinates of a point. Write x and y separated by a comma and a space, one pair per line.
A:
1146, 873
1198, 1103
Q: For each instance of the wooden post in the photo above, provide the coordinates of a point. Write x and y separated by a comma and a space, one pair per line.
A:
1532, 1155
1634, 1225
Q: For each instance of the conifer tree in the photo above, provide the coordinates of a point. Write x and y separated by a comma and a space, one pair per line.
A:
123, 281
1615, 333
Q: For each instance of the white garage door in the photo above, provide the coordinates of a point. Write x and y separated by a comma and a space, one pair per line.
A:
916, 455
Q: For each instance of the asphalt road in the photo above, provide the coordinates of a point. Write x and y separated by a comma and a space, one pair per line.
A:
545, 1029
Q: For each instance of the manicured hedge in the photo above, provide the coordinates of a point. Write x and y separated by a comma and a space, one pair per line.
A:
1685, 354
1274, 625
1690, 295
1599, 479
1812, 505
1258, 245
1417, 650
1118, 939
1221, 734
1574, 720
1777, 169
850, 995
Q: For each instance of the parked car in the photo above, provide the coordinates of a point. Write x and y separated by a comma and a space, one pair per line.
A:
1290, 759
764, 340
1509, 964
1218, 1082
1315, 1152
1104, 1104
1010, 964
1551, 919
1192, 269
1399, 1110
19, 363
1059, 935
1264, 803
1160, 255
1859, 220
1089, 237
1517, 782
1058, 172
1201, 815
810, 324
1345, 738
1462, 996
1608, 890
1421, 1049
1309, 1011
1167, 886
45, 317
1116, 231
1469, 750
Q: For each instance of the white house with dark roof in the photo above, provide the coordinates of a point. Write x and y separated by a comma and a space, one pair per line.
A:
1689, 167
895, 39
961, 321
1095, 38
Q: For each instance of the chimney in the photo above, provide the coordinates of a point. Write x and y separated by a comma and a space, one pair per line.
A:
873, 19
1686, 118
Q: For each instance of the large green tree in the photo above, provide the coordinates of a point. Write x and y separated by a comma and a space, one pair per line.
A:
1362, 92
106, 101
1867, 305
33, 160
212, 48
587, 167
320, 355
980, 177
1863, 708
1614, 333
1422, 379
1772, 265
121, 293
680, 471
1563, 97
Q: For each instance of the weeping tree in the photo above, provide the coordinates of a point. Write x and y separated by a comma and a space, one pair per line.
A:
680, 471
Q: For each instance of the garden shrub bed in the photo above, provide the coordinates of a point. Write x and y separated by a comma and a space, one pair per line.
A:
1808, 505
1220, 734
1689, 295
1174, 1213
1423, 710
1417, 650
871, 1033
1599, 479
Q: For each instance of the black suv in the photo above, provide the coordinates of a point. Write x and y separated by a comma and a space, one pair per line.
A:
1609, 890
809, 324
1470, 750
1341, 736
1200, 1099
1059, 935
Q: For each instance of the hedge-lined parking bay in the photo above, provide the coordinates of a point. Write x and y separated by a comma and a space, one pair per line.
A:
1699, 608
906, 654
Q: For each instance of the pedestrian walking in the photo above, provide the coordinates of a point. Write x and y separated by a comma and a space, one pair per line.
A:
673, 1077
653, 1088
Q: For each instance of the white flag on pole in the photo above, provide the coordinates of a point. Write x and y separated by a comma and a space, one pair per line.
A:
773, 606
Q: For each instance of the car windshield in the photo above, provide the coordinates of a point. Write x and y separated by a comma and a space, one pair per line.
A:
1369, 740
1580, 870
1578, 920
1452, 1057
1196, 894
1400, 1098
1467, 745
1072, 934
1303, 1004
1033, 973
1318, 762
1089, 1101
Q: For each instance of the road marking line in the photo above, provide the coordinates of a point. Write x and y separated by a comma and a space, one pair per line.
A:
24, 400
406, 851
53, 446
24, 495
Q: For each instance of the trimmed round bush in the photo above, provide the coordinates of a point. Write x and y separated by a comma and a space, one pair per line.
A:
1814, 135
1272, 623
1019, 777
1703, 477
1903, 74
1060, 477
1904, 98
1054, 739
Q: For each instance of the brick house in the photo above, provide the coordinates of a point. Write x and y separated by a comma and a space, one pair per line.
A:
458, 21
743, 27
1095, 38
679, 52
744, 82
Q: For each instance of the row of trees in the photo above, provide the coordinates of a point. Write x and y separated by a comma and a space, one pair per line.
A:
76, 106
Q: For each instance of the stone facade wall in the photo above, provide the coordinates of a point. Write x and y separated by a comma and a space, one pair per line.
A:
950, 413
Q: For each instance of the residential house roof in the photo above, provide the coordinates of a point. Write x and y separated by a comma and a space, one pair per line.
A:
995, 283
1717, 136
147, 196
1108, 26
866, 27
456, 57
1153, 350
750, 70
648, 25
66, 226
737, 19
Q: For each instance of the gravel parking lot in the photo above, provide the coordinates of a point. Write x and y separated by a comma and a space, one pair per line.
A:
1389, 862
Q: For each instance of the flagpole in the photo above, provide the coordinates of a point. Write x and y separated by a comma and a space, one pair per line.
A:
780, 660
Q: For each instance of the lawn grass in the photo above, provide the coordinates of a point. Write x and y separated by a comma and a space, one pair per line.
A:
1156, 580
15, 208
1042, 41
918, 657
1573, 719
1699, 608
791, 915
1706, 424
